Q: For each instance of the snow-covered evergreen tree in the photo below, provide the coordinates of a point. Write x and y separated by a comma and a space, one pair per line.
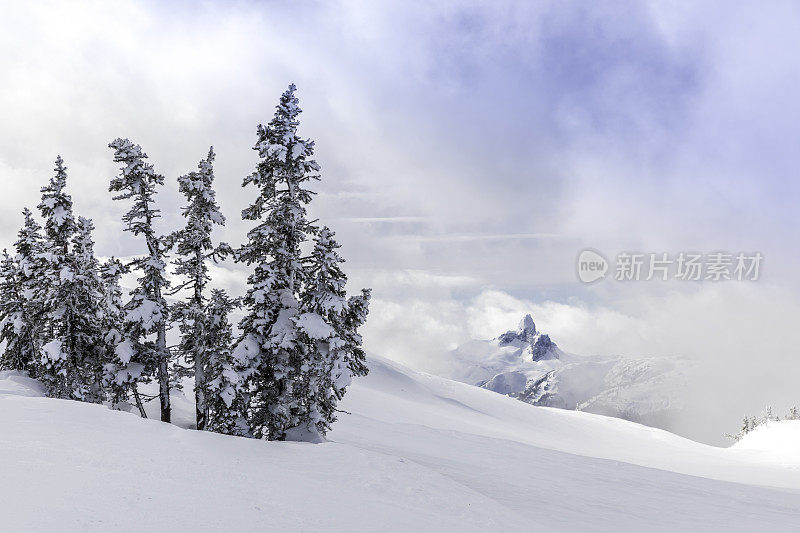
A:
270, 350
194, 247
57, 365
223, 400
330, 322
768, 416
146, 312
750, 423
120, 372
299, 343
12, 316
84, 306
31, 283
56, 208
68, 292
110, 275
324, 302
356, 316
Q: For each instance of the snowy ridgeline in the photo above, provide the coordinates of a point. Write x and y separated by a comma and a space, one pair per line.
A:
526, 364
417, 453
65, 320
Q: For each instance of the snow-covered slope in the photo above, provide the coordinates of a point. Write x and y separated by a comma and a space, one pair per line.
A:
777, 441
417, 452
528, 365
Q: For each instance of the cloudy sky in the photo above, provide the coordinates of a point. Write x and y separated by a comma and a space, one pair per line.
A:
469, 150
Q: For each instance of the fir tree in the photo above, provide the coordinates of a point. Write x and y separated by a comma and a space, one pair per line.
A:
751, 423
335, 355
58, 367
324, 303
69, 295
87, 304
299, 344
56, 208
31, 264
768, 416
12, 316
146, 312
270, 350
355, 317
120, 373
194, 247
111, 273
223, 400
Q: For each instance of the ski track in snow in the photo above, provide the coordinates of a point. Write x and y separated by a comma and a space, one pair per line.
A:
418, 453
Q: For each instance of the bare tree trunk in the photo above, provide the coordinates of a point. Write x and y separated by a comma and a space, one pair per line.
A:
163, 373
138, 400
161, 342
201, 408
200, 393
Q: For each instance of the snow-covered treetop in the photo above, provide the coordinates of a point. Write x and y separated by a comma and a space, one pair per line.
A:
280, 207
194, 244
286, 158
29, 237
198, 185
8, 281
220, 305
56, 208
112, 268
327, 291
132, 155
136, 180
202, 210
111, 272
83, 242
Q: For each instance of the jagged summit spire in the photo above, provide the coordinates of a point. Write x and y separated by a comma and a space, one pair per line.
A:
537, 344
526, 326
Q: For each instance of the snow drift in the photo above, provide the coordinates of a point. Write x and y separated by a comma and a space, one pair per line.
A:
417, 452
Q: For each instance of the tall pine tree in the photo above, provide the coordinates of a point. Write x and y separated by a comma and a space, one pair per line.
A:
32, 265
224, 403
355, 317
57, 362
336, 355
194, 248
120, 373
146, 312
86, 306
12, 316
68, 291
21, 312
270, 350
299, 344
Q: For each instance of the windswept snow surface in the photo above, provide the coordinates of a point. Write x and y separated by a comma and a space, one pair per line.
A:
776, 442
418, 453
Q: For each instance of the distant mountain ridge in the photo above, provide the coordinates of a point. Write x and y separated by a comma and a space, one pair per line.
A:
528, 365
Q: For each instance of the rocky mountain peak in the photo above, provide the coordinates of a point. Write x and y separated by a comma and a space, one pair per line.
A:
537, 344
543, 348
526, 329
